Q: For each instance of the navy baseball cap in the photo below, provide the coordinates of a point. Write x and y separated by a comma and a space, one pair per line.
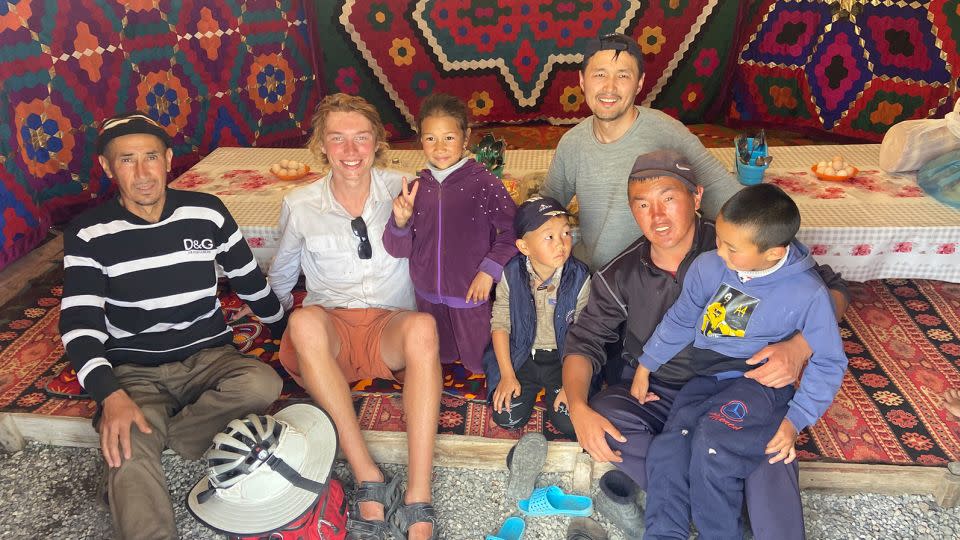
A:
130, 123
664, 163
536, 211
613, 42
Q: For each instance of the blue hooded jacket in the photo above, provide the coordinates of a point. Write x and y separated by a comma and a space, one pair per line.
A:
735, 320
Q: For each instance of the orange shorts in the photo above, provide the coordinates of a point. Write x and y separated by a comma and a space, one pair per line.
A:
359, 331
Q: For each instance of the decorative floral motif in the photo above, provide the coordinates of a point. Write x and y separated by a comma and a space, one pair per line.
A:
402, 51
818, 249
692, 96
651, 40
783, 97
256, 242
270, 83
34, 313
903, 247
380, 16
450, 419
86, 44
347, 80
950, 348
906, 292
45, 136
927, 459
890, 399
947, 249
927, 320
192, 180
165, 100
939, 334
707, 62
862, 363
422, 83
886, 113
790, 36
31, 399
901, 418
526, 61
917, 305
208, 27
12, 12
48, 302
874, 380
860, 250
480, 103
7, 336
916, 441
852, 347
21, 324
571, 99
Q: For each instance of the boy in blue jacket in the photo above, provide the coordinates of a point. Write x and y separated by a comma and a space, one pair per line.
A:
542, 291
758, 287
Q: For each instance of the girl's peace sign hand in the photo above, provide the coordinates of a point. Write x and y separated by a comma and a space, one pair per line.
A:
403, 204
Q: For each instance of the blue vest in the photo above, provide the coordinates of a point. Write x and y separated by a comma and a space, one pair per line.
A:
523, 314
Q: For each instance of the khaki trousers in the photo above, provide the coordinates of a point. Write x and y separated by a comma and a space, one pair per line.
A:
186, 403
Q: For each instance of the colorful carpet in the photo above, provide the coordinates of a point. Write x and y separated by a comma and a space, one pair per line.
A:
902, 338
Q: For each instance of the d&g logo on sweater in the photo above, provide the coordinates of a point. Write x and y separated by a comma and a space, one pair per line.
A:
204, 245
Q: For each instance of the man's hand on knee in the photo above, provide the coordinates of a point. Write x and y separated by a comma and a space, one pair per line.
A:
592, 429
119, 412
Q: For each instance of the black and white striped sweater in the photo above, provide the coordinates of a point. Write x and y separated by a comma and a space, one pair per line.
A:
146, 293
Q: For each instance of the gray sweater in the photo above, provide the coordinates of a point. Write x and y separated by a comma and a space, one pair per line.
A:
597, 174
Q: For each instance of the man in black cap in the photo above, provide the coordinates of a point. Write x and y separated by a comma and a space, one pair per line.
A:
628, 297
594, 157
142, 326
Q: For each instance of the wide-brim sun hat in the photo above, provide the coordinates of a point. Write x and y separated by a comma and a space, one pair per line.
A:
247, 489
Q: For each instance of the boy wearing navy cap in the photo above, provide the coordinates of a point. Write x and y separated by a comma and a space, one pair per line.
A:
540, 294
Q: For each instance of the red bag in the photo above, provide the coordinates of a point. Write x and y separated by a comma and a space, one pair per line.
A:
325, 520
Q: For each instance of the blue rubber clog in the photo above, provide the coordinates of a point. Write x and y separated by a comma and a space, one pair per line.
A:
552, 501
512, 529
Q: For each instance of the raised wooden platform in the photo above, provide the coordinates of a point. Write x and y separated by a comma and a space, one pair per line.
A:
470, 452
563, 457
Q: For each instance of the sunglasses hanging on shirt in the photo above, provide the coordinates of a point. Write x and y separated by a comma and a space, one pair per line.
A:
359, 228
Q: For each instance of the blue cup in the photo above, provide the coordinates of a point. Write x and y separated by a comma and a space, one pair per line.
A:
750, 175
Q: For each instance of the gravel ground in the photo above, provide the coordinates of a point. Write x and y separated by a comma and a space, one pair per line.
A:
48, 492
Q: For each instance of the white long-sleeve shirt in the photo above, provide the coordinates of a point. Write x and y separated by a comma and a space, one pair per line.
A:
318, 239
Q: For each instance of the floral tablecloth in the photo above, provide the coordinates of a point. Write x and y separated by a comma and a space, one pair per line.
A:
877, 225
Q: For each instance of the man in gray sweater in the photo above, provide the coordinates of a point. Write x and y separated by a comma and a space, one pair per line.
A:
595, 156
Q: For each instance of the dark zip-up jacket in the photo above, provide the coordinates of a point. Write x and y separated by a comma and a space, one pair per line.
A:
630, 295
523, 313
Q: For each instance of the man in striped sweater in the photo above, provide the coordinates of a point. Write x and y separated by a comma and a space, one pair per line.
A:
143, 328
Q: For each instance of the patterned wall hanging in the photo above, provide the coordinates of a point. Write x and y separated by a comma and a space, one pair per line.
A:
515, 61
221, 72
849, 68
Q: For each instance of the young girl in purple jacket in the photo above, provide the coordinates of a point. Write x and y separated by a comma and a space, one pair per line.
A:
455, 224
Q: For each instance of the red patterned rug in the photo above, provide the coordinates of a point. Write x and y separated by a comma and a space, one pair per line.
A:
901, 337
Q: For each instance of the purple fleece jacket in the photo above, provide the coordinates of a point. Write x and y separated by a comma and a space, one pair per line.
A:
459, 227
